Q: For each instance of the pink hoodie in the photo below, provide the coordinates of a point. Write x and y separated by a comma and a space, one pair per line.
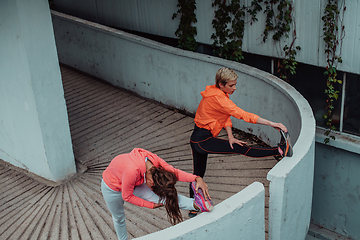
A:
215, 109
126, 171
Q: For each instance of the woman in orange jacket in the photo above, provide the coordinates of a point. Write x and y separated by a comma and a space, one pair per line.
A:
214, 113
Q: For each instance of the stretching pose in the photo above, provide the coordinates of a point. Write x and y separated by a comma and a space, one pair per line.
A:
214, 113
144, 179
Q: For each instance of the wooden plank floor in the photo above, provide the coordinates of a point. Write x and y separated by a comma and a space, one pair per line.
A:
104, 122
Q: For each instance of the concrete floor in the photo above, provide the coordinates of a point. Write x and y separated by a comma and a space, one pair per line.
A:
104, 122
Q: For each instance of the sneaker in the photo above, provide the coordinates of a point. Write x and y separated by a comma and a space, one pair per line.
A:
193, 213
278, 157
199, 198
285, 144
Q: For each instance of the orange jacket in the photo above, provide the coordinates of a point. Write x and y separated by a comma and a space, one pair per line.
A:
215, 109
126, 171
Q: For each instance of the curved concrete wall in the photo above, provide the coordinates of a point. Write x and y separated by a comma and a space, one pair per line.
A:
176, 78
224, 221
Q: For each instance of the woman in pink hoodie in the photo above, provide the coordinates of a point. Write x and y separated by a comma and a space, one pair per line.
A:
144, 179
213, 114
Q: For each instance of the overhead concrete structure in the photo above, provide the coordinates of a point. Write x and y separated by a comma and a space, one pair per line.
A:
34, 126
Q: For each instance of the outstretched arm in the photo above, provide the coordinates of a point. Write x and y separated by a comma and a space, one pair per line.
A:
260, 120
277, 126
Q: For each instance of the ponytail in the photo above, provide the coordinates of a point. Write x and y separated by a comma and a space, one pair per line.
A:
164, 187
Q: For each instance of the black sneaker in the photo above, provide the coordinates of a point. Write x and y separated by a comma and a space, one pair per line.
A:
285, 144
278, 157
192, 213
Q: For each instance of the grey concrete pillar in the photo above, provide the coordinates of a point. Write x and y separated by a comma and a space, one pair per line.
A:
34, 128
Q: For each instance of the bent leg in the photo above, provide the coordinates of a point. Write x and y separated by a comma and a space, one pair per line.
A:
144, 192
115, 204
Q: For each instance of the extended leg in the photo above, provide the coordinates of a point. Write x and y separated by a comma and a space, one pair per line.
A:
221, 146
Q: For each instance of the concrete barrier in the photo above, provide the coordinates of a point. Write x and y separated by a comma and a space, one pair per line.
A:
224, 221
176, 78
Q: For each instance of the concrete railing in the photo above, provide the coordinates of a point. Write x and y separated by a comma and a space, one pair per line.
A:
176, 78
224, 221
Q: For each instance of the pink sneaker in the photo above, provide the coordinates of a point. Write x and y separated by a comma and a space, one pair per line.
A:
199, 198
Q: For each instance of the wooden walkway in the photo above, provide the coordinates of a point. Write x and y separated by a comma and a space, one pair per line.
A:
104, 122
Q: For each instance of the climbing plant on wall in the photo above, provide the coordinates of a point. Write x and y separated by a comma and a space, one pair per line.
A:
279, 20
228, 40
229, 28
332, 38
229, 25
186, 31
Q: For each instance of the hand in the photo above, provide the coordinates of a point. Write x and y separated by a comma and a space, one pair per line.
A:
201, 184
278, 126
157, 205
233, 140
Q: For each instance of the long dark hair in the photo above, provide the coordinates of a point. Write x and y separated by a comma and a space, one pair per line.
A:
164, 187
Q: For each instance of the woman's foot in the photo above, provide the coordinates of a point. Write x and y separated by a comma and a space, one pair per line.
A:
204, 205
193, 213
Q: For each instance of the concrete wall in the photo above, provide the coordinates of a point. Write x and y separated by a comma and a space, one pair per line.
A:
336, 203
239, 217
155, 17
291, 184
34, 129
176, 77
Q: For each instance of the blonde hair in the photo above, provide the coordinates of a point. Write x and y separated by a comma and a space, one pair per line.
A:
223, 75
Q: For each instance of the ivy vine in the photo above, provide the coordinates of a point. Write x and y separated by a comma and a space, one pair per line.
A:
254, 9
228, 41
332, 39
186, 31
279, 21
229, 28
287, 66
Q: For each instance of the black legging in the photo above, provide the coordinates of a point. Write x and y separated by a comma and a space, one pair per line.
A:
203, 143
